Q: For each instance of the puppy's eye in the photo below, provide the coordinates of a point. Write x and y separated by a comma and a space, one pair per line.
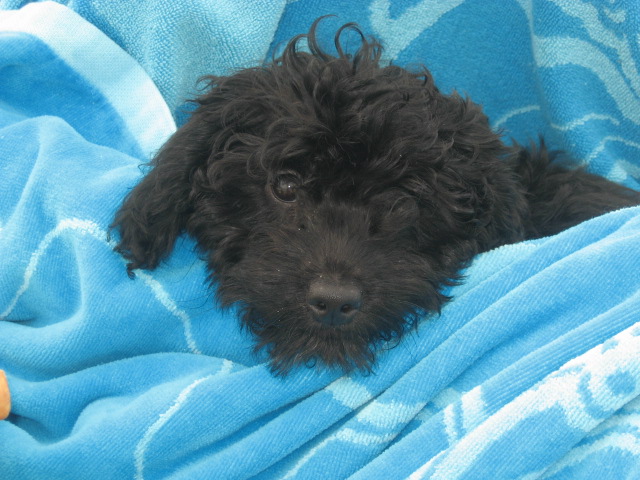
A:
285, 187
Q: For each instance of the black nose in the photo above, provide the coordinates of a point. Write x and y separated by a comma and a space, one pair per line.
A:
334, 303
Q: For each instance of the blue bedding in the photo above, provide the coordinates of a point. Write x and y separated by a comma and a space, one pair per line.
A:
533, 371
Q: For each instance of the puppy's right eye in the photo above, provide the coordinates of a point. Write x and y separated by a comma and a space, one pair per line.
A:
285, 187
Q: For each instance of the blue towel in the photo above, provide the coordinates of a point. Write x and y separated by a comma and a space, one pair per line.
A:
179, 41
533, 371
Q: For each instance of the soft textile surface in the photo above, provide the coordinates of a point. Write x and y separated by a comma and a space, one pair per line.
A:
533, 371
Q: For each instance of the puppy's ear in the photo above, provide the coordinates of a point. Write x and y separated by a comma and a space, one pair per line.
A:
467, 127
484, 195
155, 212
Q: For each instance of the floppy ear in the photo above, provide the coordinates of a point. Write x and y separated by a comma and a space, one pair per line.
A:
483, 193
155, 212
195, 164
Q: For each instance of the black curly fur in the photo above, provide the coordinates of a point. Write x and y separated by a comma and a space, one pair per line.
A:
398, 187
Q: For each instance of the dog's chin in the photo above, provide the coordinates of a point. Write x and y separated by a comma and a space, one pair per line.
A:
306, 342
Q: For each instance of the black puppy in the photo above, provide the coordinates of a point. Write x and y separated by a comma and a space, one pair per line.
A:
335, 197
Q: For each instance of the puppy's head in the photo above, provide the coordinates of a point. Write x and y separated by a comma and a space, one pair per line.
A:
333, 198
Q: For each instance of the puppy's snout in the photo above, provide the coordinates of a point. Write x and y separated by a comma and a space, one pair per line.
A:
334, 303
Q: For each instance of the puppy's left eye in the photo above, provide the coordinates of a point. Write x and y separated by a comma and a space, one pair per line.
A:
285, 187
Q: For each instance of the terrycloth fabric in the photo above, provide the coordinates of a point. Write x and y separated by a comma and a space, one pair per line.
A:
533, 371
179, 41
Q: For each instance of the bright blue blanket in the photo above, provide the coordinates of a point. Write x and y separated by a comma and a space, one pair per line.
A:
533, 371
